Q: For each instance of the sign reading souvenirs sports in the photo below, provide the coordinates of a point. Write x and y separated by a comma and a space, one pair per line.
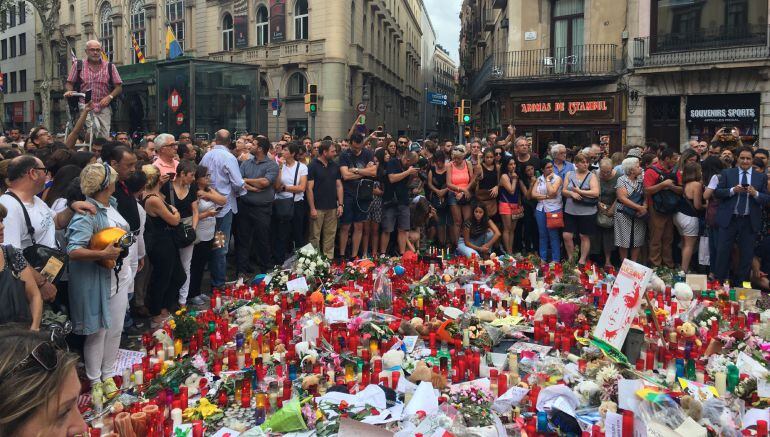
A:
732, 108
566, 108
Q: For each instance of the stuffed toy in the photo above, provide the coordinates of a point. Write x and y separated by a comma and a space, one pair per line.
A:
392, 358
604, 408
422, 372
683, 295
687, 331
310, 381
692, 407
548, 309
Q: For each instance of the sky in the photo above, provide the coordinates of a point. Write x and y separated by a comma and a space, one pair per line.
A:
445, 16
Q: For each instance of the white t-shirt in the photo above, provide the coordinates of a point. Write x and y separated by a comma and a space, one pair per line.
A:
713, 183
41, 216
207, 226
287, 179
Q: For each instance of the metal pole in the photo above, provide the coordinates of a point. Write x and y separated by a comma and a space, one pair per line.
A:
312, 126
425, 112
278, 116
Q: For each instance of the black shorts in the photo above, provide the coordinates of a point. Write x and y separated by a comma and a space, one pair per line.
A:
580, 224
354, 211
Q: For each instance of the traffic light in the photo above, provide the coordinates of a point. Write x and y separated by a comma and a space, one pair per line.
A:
457, 115
311, 99
465, 110
467, 132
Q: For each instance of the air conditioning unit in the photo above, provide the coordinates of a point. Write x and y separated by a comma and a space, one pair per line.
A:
504, 23
549, 61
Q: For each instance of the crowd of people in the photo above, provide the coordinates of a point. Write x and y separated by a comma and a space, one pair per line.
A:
182, 208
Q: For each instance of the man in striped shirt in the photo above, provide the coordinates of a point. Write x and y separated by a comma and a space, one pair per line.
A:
95, 77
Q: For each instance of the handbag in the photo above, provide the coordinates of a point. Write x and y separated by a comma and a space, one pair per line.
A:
487, 201
637, 196
49, 261
14, 307
284, 208
605, 221
184, 233
554, 220
585, 201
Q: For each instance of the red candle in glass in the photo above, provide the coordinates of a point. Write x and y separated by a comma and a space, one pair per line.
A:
628, 423
761, 428
502, 384
394, 377
183, 396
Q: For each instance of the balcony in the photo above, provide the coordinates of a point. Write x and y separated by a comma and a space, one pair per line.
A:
356, 56
275, 54
585, 63
703, 48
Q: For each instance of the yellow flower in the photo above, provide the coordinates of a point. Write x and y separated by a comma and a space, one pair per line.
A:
178, 312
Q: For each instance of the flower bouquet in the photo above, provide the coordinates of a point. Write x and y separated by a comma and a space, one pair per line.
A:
473, 403
313, 265
184, 325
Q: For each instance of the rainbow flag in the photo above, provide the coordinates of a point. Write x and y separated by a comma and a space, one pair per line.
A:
173, 48
137, 50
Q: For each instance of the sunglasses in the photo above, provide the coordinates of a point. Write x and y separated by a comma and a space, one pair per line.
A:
43, 355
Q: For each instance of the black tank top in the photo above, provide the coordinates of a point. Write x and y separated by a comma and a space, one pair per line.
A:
488, 178
439, 179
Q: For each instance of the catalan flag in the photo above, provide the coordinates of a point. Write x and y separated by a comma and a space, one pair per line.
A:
173, 48
105, 58
137, 50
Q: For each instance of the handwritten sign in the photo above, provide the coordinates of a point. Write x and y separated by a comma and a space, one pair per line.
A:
297, 284
626, 296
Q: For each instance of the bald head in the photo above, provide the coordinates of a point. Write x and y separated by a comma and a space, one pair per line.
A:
94, 51
222, 137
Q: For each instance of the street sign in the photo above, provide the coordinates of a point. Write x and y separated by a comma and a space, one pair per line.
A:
179, 119
437, 99
275, 104
361, 107
174, 100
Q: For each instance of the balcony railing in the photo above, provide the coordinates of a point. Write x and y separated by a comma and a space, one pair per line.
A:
720, 45
589, 61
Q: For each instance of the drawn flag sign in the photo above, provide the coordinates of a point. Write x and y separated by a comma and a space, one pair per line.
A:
626, 296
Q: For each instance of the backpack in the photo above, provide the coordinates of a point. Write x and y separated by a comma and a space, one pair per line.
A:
74, 101
665, 201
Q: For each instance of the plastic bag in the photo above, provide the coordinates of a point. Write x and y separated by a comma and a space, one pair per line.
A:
663, 411
382, 295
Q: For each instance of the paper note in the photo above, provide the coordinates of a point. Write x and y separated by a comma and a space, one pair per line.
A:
522, 346
627, 394
626, 296
336, 314
409, 342
297, 284
697, 282
226, 432
613, 425
126, 359
754, 414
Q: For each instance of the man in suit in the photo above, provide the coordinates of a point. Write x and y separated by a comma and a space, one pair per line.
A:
742, 193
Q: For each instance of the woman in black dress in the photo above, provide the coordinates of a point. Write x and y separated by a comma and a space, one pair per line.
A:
167, 272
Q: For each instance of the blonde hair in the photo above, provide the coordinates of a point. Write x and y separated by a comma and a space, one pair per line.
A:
94, 178
153, 176
27, 388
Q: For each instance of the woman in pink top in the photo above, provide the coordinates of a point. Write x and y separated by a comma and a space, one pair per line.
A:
460, 183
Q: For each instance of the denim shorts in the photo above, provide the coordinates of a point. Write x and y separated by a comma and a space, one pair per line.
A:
395, 214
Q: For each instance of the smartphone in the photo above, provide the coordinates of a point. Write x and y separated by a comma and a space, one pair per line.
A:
745, 185
380, 134
171, 175
88, 96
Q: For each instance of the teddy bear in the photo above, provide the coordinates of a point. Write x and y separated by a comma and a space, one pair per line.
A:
683, 295
392, 358
310, 381
604, 408
422, 372
687, 331
692, 407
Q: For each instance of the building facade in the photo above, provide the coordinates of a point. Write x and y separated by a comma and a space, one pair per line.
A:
444, 82
551, 68
427, 66
698, 67
17, 64
356, 51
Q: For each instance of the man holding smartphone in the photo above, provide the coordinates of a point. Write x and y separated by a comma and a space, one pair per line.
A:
165, 160
102, 79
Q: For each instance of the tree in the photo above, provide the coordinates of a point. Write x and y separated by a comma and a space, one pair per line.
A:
47, 11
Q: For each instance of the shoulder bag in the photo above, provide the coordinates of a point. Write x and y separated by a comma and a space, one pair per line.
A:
554, 220
637, 196
665, 201
284, 208
585, 201
184, 233
14, 307
49, 261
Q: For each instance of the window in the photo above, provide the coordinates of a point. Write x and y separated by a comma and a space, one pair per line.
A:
12, 16
263, 26
567, 37
300, 20
5, 83
12, 43
175, 17
352, 22
13, 82
105, 26
4, 48
22, 13
297, 85
137, 26
72, 14
227, 33
23, 80
684, 26
22, 44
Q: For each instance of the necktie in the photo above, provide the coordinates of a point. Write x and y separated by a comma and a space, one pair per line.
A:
743, 200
